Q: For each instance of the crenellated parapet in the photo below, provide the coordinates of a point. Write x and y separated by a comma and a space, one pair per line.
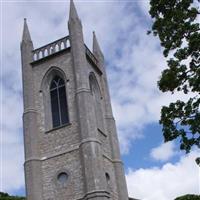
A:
92, 58
60, 45
51, 48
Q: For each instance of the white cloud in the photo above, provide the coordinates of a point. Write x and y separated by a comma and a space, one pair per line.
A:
163, 152
167, 182
145, 6
12, 175
12, 168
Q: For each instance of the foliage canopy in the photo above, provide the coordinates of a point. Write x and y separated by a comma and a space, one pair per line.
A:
188, 197
6, 196
176, 24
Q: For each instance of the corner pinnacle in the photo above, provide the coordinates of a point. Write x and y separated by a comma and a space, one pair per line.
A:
73, 12
96, 48
26, 34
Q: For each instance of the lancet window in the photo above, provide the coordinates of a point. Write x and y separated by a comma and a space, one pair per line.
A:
58, 102
94, 87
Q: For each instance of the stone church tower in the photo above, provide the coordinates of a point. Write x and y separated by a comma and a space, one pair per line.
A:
71, 145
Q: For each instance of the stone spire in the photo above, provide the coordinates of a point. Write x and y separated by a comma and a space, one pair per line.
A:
73, 15
26, 37
77, 44
96, 48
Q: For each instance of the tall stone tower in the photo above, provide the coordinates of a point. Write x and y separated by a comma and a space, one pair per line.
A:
71, 145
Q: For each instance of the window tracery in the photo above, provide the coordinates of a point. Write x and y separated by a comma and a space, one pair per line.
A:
58, 98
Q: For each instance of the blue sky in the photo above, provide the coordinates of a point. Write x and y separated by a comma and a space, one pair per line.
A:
134, 61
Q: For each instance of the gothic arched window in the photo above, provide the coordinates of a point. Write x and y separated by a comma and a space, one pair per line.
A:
58, 102
95, 91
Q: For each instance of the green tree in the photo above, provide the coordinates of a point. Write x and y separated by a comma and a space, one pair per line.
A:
176, 23
6, 196
188, 197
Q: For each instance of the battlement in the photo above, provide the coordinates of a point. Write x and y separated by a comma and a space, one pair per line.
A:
57, 46
51, 48
91, 55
